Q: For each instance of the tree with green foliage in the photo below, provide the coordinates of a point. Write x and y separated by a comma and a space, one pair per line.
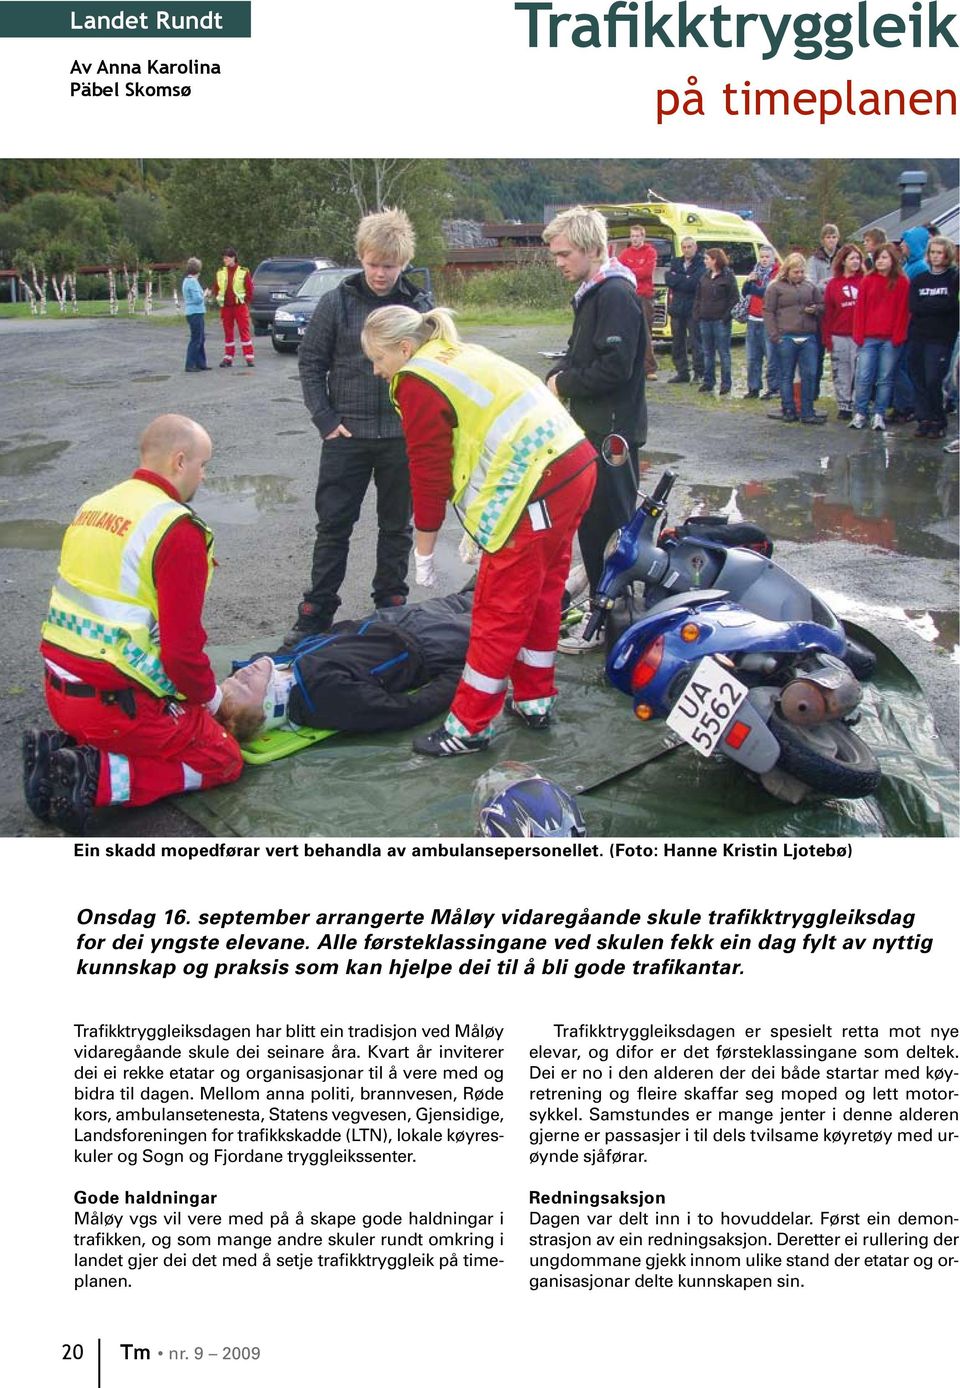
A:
298, 207
143, 219
124, 257
60, 261
32, 278
85, 222
231, 202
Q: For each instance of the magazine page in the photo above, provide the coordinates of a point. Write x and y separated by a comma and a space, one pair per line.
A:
479, 806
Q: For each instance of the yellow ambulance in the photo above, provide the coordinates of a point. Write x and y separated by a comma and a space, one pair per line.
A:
667, 223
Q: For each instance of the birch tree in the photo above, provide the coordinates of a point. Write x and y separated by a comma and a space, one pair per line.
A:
30, 263
60, 261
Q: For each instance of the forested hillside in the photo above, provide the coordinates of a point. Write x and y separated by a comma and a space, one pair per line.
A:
96, 210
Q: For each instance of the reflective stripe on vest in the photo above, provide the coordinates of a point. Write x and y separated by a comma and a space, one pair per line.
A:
510, 428
239, 284
103, 605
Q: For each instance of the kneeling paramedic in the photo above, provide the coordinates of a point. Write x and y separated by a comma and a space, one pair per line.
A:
487, 434
127, 680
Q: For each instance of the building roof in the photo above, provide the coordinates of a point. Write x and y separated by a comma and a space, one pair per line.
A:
943, 210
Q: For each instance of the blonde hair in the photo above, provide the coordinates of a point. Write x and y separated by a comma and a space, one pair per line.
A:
945, 244
389, 234
790, 262
584, 227
242, 724
388, 327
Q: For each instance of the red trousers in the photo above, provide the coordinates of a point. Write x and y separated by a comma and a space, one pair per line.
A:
166, 748
236, 316
516, 610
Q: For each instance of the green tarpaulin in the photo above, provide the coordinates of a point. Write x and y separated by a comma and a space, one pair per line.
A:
632, 779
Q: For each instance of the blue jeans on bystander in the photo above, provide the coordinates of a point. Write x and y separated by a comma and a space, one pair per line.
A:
196, 352
798, 350
715, 336
876, 371
759, 347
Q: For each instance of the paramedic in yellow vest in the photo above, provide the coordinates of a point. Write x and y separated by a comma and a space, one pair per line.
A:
128, 682
234, 291
489, 436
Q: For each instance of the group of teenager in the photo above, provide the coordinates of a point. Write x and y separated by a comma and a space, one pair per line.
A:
886, 314
401, 401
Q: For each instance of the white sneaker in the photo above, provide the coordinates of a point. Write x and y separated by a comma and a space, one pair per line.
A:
878, 422
574, 643
859, 421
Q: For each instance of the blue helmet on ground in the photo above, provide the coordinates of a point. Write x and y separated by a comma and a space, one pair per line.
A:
515, 802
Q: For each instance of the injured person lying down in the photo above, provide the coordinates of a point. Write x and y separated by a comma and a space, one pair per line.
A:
391, 670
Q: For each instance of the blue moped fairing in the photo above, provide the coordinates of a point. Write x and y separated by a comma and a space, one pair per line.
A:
722, 628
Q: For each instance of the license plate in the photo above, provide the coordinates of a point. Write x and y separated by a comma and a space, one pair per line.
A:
706, 707
300, 332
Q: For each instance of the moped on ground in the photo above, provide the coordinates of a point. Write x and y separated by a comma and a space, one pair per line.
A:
737, 656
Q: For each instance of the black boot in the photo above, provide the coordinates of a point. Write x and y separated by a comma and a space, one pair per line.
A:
39, 745
310, 622
74, 776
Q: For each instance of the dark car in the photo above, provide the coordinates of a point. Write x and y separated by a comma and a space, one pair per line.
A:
277, 280
290, 319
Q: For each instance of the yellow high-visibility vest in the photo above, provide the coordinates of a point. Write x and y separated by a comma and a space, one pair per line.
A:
510, 428
239, 284
104, 601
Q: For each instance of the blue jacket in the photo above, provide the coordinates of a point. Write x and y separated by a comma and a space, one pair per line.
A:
915, 241
192, 296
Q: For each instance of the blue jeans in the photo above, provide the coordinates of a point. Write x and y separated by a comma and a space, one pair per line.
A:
876, 372
196, 353
759, 347
802, 353
904, 396
715, 337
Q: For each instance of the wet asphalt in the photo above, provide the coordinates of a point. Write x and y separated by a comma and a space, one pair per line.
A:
869, 520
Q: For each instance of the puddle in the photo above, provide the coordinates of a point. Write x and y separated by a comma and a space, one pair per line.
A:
891, 503
20, 462
940, 629
31, 534
650, 463
286, 433
285, 400
139, 379
240, 500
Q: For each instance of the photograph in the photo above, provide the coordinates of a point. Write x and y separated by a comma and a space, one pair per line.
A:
485, 516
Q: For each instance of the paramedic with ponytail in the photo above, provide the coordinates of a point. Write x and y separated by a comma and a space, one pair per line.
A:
487, 435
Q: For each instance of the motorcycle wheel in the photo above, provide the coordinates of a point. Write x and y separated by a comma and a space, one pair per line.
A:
860, 661
829, 758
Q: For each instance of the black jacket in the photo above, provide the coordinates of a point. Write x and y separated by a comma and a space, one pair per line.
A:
933, 306
682, 277
716, 297
337, 380
601, 377
392, 670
